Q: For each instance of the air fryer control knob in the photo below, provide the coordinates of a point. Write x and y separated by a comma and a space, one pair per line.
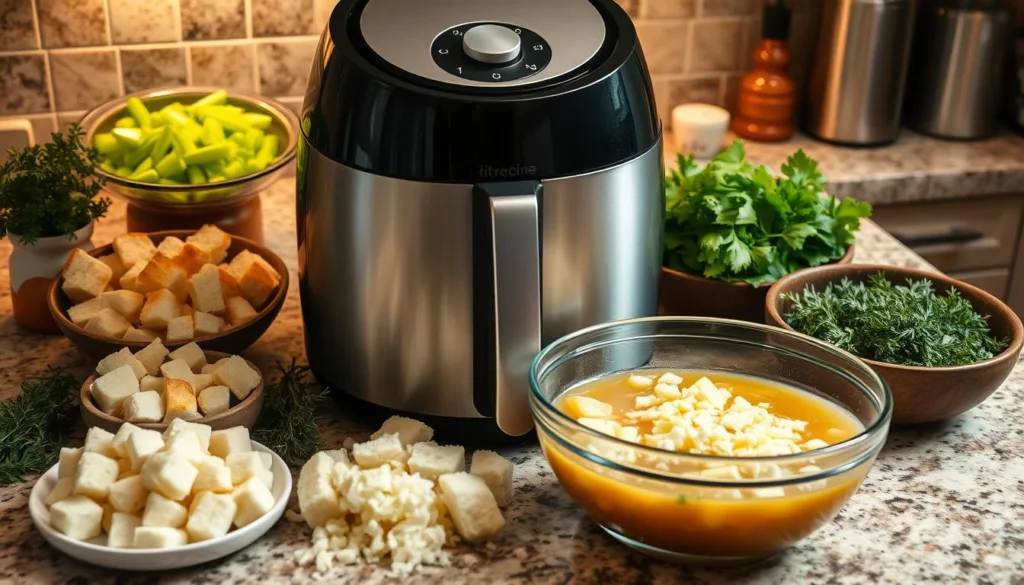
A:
491, 43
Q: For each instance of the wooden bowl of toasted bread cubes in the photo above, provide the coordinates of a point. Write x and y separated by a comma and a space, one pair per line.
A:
153, 386
206, 286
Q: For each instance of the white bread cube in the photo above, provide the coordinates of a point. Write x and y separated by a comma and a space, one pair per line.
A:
213, 241
107, 322
204, 381
268, 461
318, 501
118, 442
144, 407
152, 383
205, 292
85, 277
77, 517
496, 471
206, 324
82, 312
169, 474
212, 368
94, 475
210, 516
140, 334
152, 356
130, 279
472, 506
110, 390
379, 451
118, 359
185, 309
117, 267
409, 431
179, 400
214, 475
159, 537
121, 533
180, 426
128, 495
188, 445
180, 328
432, 461
587, 407
240, 311
266, 477
237, 375
127, 303
191, 354
62, 490
133, 248
178, 370
161, 308
140, 445
170, 246
214, 400
244, 465
108, 514
227, 441
99, 441
252, 501
160, 511
67, 461
124, 468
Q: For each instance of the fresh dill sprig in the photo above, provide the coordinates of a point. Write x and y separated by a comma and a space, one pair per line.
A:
36, 424
287, 424
907, 325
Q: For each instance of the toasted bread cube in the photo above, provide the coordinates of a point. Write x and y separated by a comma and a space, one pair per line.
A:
94, 475
245, 259
152, 356
85, 277
130, 279
111, 389
140, 445
409, 431
178, 369
170, 246
214, 400
257, 279
107, 322
214, 475
82, 312
162, 272
77, 517
192, 258
118, 359
117, 267
379, 451
128, 495
144, 407
160, 511
240, 311
237, 375
181, 426
318, 502
140, 334
62, 490
180, 328
206, 324
179, 400
120, 437
205, 290
193, 356
152, 384
253, 500
121, 533
587, 407
212, 240
161, 308
204, 381
228, 282
159, 537
211, 516
244, 465
67, 461
474, 510
432, 461
185, 309
127, 303
133, 248
225, 442
169, 473
496, 471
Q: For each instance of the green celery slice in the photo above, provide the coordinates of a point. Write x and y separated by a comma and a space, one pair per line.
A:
170, 166
138, 111
196, 176
213, 132
258, 121
150, 176
106, 143
208, 154
131, 137
125, 122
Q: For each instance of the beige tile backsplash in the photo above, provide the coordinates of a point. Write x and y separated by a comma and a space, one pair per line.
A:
59, 58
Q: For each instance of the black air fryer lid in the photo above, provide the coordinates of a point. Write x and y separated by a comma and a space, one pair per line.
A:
445, 91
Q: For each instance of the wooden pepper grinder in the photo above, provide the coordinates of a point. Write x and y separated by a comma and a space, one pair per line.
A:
766, 99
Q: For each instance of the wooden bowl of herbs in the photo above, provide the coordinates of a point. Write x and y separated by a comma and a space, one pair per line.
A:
733, 228
942, 345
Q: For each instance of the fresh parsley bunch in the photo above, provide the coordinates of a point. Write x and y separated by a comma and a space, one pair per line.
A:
736, 222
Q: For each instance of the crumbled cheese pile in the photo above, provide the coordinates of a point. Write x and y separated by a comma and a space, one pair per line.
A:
701, 418
402, 496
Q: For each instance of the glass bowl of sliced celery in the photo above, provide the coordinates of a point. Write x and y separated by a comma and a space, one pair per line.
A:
191, 146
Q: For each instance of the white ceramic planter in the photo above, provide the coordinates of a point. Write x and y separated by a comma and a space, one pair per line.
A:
33, 270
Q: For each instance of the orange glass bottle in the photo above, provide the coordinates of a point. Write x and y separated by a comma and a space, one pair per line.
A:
766, 99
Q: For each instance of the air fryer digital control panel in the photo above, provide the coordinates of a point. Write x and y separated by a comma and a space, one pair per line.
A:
491, 52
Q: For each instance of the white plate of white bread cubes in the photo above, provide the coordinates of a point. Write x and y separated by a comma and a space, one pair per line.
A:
176, 291
139, 500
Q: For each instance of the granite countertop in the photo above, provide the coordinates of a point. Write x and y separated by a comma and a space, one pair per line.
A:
943, 503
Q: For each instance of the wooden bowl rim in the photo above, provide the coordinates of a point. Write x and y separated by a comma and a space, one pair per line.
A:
272, 304
848, 255
1004, 313
85, 397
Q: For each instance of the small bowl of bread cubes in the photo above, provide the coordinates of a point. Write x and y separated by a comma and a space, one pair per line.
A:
177, 286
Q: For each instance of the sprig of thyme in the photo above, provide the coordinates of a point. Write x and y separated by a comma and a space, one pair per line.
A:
36, 424
287, 424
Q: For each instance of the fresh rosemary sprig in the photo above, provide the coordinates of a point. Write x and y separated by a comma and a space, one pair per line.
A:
287, 424
36, 424
908, 325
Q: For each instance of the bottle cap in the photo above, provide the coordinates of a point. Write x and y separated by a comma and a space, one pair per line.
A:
776, 22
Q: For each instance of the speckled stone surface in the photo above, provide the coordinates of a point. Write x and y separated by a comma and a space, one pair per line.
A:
944, 503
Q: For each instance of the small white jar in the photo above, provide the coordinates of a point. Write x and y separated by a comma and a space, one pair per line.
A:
698, 129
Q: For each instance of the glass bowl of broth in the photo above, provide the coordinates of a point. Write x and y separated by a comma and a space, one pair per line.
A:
707, 441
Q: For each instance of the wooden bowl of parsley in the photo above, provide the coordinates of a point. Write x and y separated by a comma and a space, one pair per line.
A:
733, 228
942, 345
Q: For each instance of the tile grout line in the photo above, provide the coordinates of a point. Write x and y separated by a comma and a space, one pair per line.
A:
188, 65
119, 68
109, 23
36, 23
249, 35
179, 28
51, 92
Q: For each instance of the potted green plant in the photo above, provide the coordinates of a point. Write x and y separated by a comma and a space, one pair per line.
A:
733, 228
48, 205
